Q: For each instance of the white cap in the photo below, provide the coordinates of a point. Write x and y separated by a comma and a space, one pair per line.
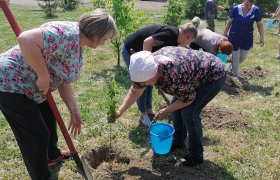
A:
142, 66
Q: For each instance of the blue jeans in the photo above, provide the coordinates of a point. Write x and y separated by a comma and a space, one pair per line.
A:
187, 120
145, 100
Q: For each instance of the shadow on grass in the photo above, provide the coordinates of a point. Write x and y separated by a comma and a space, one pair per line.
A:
264, 91
50, 17
55, 170
164, 168
140, 136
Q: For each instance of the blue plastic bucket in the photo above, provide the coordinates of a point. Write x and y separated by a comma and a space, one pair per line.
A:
269, 24
161, 135
223, 57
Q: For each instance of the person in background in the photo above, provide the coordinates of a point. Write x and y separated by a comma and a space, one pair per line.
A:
47, 58
193, 77
240, 26
276, 17
210, 41
210, 13
152, 38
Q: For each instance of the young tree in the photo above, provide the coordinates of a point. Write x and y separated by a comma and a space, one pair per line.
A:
174, 13
111, 90
99, 3
69, 5
49, 7
127, 20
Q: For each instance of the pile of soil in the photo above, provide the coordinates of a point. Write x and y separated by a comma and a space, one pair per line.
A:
219, 117
236, 87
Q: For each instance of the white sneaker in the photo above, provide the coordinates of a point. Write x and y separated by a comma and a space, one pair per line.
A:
236, 82
278, 56
146, 120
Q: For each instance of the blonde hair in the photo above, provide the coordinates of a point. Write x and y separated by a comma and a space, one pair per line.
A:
189, 28
97, 23
196, 21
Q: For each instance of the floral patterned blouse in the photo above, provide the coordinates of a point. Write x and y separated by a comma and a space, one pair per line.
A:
189, 70
63, 58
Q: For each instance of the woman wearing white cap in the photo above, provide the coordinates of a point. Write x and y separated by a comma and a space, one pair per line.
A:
152, 38
193, 77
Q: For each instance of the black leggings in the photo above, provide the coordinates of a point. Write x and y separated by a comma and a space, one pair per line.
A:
34, 128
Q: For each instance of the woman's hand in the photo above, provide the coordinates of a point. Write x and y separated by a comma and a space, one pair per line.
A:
114, 118
43, 84
163, 113
75, 125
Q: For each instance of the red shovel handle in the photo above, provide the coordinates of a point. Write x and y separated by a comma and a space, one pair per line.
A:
60, 123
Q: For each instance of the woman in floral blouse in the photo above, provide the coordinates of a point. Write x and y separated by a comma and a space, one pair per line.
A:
193, 77
47, 58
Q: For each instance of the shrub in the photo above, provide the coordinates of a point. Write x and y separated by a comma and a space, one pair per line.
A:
174, 13
69, 5
194, 8
127, 20
99, 3
49, 7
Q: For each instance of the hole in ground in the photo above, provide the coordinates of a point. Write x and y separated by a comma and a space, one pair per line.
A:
105, 154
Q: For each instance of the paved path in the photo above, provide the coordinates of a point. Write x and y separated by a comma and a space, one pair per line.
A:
148, 5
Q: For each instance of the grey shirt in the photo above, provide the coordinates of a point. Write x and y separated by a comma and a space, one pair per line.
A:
209, 40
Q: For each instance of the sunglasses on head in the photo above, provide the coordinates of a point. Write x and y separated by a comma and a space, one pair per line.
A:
138, 85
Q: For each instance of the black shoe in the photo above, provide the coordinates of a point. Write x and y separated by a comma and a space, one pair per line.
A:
190, 161
175, 146
151, 116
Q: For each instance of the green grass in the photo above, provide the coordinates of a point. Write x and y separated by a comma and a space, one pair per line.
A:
240, 153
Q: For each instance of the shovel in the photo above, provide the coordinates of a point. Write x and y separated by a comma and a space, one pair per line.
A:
81, 164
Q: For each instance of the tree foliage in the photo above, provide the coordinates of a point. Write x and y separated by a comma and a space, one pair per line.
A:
174, 13
111, 90
127, 19
48, 7
196, 7
69, 5
99, 3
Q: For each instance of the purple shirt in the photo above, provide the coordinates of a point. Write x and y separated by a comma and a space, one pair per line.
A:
189, 70
63, 58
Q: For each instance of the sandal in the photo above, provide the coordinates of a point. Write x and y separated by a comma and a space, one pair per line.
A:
189, 161
63, 155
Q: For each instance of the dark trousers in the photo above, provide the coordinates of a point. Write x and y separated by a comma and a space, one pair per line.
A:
34, 128
187, 120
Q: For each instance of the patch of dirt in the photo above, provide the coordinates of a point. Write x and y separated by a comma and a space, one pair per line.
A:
235, 86
147, 165
105, 154
249, 73
219, 117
